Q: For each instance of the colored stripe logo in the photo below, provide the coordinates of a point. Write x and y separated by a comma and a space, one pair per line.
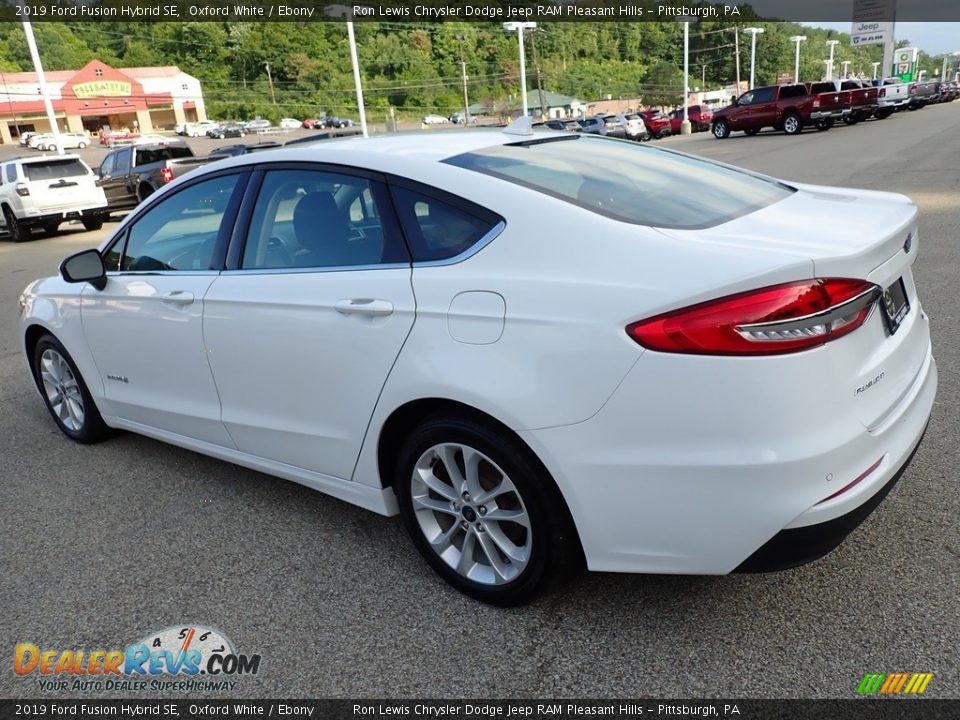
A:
894, 683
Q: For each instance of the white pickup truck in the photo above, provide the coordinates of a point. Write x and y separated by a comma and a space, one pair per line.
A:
42, 192
893, 95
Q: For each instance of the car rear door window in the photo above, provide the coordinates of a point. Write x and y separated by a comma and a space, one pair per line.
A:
438, 226
180, 232
318, 219
54, 169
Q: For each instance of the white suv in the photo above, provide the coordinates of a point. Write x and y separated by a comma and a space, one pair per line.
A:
67, 140
44, 191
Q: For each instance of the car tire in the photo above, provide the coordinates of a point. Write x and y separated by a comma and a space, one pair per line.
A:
751, 131
792, 125
851, 119
721, 129
92, 223
50, 227
221, 136
243, 134
65, 393
883, 114
508, 561
17, 231
81, 145
822, 125
144, 191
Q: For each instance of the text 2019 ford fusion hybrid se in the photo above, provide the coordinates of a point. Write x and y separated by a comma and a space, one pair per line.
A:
539, 349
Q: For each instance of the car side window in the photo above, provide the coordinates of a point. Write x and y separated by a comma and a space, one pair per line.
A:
762, 95
121, 163
746, 98
438, 229
11, 172
106, 167
180, 232
318, 219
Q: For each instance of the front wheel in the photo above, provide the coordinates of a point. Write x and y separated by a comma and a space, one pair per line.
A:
792, 124
482, 510
81, 145
721, 129
823, 124
50, 227
65, 394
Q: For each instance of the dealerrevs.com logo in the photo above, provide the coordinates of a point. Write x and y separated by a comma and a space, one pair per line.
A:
185, 658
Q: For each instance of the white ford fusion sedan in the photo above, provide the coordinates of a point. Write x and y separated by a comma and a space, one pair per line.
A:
539, 349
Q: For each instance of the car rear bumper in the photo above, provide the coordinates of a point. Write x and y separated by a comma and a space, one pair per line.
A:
829, 114
694, 465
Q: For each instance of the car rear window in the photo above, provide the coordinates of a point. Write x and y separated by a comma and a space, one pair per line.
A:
628, 182
53, 169
150, 155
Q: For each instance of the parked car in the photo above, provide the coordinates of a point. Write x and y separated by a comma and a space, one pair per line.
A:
893, 95
558, 124
258, 125
634, 126
25, 136
42, 192
311, 123
34, 140
228, 130
783, 107
700, 117
198, 129
863, 100
131, 174
658, 124
68, 141
289, 124
923, 94
434, 120
831, 104
334, 122
519, 405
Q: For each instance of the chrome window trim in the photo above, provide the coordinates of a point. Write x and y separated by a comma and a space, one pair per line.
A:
177, 273
479, 245
302, 270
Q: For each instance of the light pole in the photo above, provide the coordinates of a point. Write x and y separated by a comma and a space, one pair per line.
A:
519, 28
41, 78
754, 31
875, 66
703, 76
831, 44
463, 70
270, 80
843, 68
796, 60
347, 13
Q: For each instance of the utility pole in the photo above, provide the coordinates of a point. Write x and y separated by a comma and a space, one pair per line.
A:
754, 31
41, 78
536, 67
270, 80
519, 28
463, 71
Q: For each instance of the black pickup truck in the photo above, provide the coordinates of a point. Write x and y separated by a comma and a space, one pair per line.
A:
129, 175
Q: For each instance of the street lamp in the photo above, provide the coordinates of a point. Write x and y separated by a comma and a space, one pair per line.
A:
796, 61
875, 66
831, 44
843, 68
754, 31
463, 70
347, 13
519, 28
703, 76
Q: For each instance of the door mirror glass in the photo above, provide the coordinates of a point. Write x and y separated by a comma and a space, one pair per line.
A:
86, 266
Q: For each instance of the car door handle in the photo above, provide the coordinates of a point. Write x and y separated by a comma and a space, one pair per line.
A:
177, 297
364, 306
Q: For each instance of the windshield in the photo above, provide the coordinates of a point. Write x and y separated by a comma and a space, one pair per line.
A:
54, 169
628, 182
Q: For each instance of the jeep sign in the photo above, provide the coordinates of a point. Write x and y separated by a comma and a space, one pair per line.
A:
870, 33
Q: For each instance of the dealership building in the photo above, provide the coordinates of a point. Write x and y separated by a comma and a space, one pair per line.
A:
99, 96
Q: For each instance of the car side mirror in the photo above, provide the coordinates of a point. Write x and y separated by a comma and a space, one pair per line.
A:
86, 266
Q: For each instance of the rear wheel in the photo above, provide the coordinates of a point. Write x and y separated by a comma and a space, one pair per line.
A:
482, 510
751, 131
721, 129
823, 124
792, 124
18, 232
883, 113
144, 191
81, 144
65, 394
50, 227
92, 223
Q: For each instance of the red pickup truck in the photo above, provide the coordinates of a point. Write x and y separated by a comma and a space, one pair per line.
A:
835, 103
863, 100
783, 107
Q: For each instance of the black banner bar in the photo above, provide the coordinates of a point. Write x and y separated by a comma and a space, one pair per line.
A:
476, 10
894, 708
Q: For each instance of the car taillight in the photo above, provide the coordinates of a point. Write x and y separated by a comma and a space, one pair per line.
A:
22, 190
166, 174
773, 320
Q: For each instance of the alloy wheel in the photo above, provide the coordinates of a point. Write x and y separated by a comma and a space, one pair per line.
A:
471, 514
62, 389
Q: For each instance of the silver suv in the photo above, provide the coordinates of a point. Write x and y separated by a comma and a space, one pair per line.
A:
42, 192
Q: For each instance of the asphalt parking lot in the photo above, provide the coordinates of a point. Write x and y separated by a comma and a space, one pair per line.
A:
100, 545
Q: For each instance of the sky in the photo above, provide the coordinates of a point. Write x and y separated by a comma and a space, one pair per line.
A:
932, 38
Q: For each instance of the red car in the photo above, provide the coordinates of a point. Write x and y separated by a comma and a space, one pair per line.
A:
658, 124
700, 117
